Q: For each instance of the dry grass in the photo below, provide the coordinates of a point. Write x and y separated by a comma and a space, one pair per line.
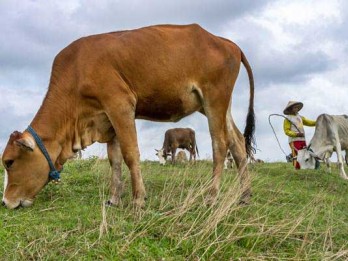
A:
293, 216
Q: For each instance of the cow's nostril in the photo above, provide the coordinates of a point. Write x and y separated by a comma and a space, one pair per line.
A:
3, 203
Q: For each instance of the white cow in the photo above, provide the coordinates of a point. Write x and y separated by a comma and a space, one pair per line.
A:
181, 157
229, 161
331, 134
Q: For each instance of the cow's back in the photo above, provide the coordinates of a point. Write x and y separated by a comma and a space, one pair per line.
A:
328, 128
178, 137
341, 122
182, 49
161, 65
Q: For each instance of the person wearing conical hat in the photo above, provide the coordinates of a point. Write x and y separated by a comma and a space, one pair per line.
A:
293, 128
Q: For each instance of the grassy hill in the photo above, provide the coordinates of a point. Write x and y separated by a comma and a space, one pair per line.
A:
294, 215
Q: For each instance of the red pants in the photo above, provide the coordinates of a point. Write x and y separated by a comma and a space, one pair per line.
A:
295, 146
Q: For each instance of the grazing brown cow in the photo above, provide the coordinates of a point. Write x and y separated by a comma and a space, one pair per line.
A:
101, 83
182, 138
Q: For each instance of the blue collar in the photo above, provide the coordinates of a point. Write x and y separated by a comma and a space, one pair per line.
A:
53, 174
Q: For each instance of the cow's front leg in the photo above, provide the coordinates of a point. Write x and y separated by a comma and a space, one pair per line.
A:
115, 160
328, 164
173, 155
122, 116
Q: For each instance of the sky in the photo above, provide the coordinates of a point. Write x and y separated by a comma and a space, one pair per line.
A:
297, 49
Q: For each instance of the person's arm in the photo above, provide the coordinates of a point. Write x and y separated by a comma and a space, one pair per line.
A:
287, 129
308, 122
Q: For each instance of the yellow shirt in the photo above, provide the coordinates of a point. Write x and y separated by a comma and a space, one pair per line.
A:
297, 120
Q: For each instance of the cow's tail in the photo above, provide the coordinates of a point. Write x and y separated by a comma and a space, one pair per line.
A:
194, 143
197, 150
249, 130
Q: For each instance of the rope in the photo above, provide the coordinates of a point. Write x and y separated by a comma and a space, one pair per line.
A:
269, 121
317, 164
53, 174
275, 134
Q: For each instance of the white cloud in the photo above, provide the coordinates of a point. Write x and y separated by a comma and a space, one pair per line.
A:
297, 50
21, 102
303, 13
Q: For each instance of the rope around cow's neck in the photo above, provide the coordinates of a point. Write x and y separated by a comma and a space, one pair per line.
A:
275, 134
53, 174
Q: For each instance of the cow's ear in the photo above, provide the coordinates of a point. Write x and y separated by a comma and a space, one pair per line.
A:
26, 143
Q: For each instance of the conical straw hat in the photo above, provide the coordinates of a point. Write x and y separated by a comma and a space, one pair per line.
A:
290, 104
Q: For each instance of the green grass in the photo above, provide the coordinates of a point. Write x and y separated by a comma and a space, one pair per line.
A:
294, 215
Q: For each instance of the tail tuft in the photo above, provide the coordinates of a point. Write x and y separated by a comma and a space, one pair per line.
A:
249, 134
249, 131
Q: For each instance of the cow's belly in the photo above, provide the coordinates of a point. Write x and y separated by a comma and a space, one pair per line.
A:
344, 145
155, 108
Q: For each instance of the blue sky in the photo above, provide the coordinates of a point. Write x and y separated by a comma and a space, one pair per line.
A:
298, 51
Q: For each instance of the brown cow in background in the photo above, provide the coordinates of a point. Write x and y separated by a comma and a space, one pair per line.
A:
178, 138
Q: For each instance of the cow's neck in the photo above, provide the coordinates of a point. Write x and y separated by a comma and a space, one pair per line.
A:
54, 124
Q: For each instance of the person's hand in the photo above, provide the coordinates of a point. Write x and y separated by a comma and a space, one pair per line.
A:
300, 134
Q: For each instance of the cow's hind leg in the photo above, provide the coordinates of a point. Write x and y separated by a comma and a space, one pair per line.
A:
191, 150
340, 161
237, 148
217, 123
115, 159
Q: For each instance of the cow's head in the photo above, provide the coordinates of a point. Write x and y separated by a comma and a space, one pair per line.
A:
26, 170
162, 156
307, 158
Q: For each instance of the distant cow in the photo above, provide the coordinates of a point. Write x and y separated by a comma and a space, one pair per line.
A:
229, 161
182, 138
331, 134
181, 157
99, 86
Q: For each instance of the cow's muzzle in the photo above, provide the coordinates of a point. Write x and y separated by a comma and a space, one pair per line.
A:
21, 203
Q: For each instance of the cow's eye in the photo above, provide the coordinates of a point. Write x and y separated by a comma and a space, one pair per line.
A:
8, 163
307, 160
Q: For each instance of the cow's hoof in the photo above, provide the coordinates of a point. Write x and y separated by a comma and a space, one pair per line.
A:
139, 203
245, 198
210, 200
244, 202
109, 203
